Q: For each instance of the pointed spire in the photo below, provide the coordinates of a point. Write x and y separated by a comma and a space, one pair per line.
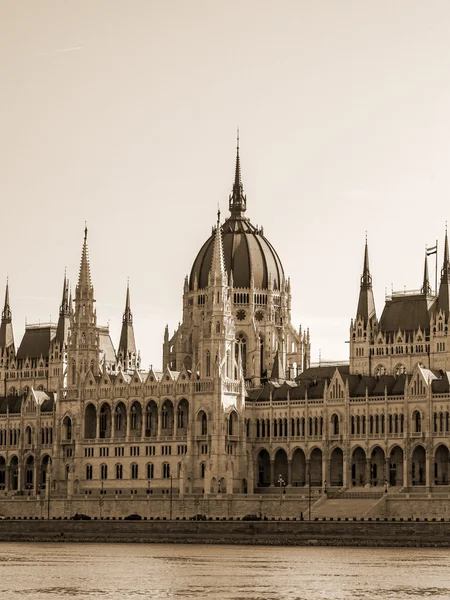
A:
127, 315
445, 272
6, 313
127, 345
84, 279
218, 262
366, 302
366, 278
278, 373
6, 328
62, 329
64, 308
237, 199
426, 288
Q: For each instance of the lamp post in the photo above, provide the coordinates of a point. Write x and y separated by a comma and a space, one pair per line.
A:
49, 485
170, 505
100, 502
281, 484
309, 493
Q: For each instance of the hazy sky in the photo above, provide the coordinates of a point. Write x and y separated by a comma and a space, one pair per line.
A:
124, 114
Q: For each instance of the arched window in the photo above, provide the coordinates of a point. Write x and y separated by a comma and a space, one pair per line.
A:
240, 349
104, 471
133, 418
119, 471
417, 421
166, 471
204, 424
28, 435
208, 363
89, 472
134, 471
150, 470
202, 470
180, 417
118, 418
335, 424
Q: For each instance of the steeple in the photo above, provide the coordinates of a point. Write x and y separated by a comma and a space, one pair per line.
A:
64, 314
278, 373
237, 199
366, 302
6, 329
444, 288
127, 344
426, 288
84, 279
218, 273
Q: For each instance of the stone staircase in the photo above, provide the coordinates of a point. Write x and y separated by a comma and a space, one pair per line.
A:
343, 507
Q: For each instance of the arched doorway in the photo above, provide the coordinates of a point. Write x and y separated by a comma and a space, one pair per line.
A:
358, 467
418, 475
298, 467
337, 467
263, 468
441, 458
315, 467
377, 476
396, 467
281, 467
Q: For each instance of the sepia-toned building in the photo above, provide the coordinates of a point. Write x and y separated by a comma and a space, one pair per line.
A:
237, 406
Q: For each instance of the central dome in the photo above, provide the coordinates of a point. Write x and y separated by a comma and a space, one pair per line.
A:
246, 251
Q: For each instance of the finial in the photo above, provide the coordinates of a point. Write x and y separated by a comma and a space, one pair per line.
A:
85, 230
218, 214
237, 138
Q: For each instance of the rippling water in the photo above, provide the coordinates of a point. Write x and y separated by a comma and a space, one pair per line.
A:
124, 571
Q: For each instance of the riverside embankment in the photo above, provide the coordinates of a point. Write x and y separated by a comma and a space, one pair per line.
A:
301, 533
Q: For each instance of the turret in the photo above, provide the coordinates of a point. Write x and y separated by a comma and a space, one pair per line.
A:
444, 289
366, 302
127, 346
62, 330
7, 347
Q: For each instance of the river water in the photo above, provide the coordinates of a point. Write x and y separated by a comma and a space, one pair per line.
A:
129, 571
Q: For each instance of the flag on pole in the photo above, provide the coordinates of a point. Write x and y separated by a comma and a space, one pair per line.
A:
432, 250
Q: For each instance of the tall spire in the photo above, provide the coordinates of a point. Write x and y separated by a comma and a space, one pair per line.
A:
64, 314
127, 345
84, 279
218, 263
6, 328
366, 278
64, 308
237, 199
366, 302
6, 313
445, 271
426, 288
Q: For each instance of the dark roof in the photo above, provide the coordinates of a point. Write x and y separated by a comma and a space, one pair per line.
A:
246, 252
11, 404
322, 372
407, 312
48, 405
36, 341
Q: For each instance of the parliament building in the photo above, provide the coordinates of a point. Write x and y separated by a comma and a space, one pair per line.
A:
237, 406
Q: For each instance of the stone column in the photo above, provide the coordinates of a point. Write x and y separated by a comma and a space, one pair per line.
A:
19, 477
159, 424
127, 429
272, 473
325, 470
7, 476
406, 468
97, 426
367, 482
289, 477
429, 472
113, 424
307, 467
346, 470
143, 419
386, 471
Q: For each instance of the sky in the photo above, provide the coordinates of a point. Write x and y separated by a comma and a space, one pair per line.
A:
124, 115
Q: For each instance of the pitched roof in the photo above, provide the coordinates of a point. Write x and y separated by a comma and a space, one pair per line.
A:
407, 312
36, 341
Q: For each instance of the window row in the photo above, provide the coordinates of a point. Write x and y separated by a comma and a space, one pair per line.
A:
118, 472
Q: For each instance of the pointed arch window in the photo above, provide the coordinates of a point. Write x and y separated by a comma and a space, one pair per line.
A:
208, 363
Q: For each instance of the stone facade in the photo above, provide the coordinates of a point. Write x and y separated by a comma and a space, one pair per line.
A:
237, 407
